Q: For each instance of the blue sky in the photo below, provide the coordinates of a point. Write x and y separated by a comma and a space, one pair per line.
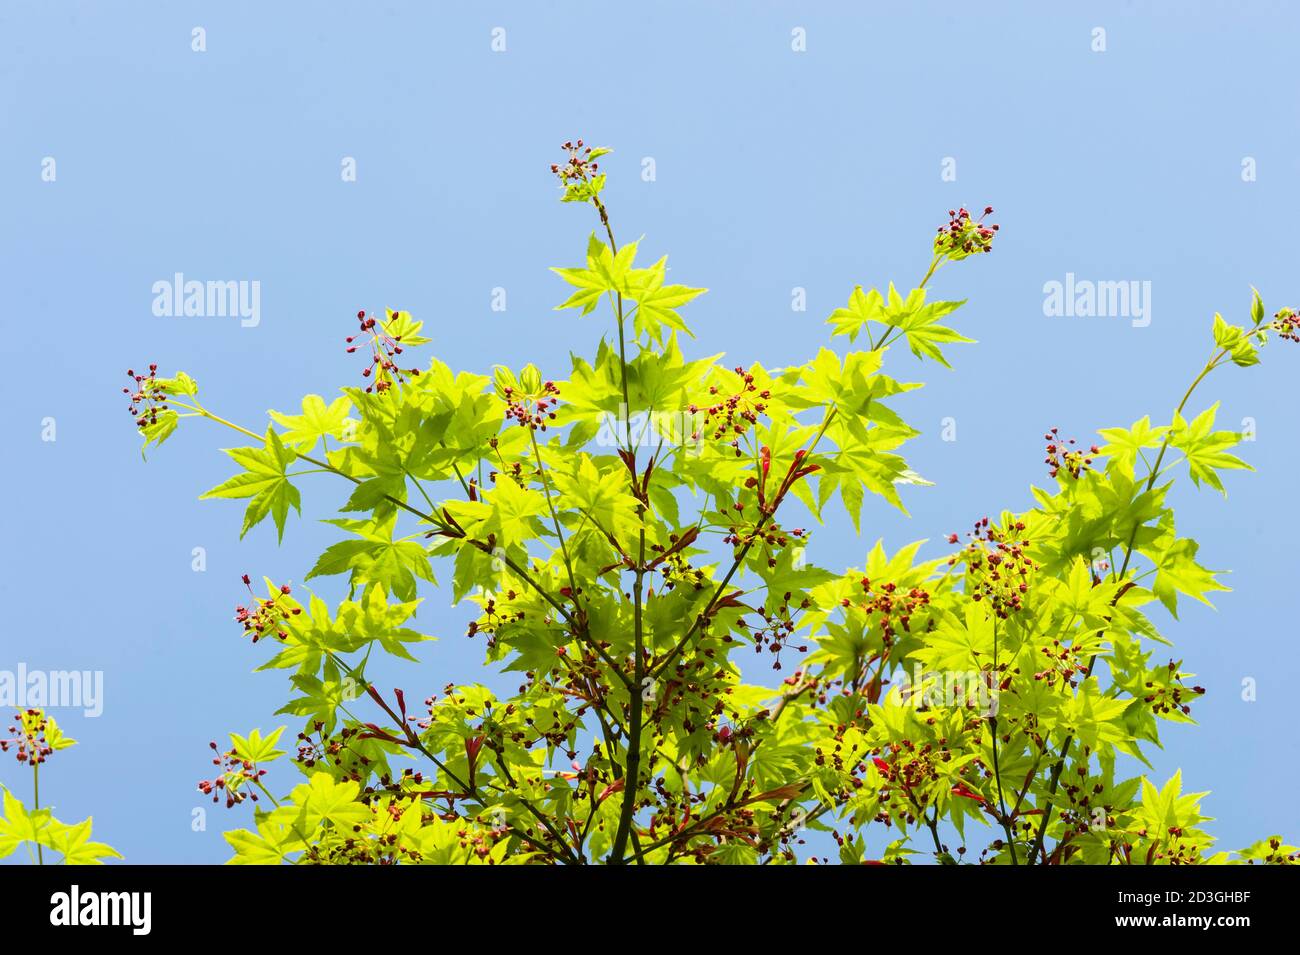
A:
774, 170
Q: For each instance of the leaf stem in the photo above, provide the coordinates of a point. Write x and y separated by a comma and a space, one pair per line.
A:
36, 805
555, 517
997, 769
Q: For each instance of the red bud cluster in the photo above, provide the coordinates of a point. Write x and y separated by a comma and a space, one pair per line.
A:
964, 235
236, 772
733, 415
530, 411
779, 625
147, 399
384, 349
998, 566
28, 738
895, 608
266, 615
1061, 456
1287, 324
578, 166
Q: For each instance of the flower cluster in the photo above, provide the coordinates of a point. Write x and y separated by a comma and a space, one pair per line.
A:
997, 565
335, 750
1087, 810
494, 618
964, 236
1064, 662
236, 771
672, 562
905, 768
148, 398
893, 606
770, 534
578, 166
735, 413
529, 411
384, 349
779, 625
908, 765
29, 738
1277, 855
1287, 324
1061, 456
481, 839
264, 616
1169, 696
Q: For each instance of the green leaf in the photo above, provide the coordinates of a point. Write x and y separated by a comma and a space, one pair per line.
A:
376, 620
159, 430
1204, 448
54, 737
604, 498
377, 558
253, 849
514, 512
1125, 444
584, 190
1093, 718
180, 384
1167, 808
925, 334
255, 748
73, 842
863, 307
657, 303
265, 481
1178, 572
1236, 341
270, 845
321, 698
1256, 306
317, 421
324, 799
17, 825
402, 328
605, 272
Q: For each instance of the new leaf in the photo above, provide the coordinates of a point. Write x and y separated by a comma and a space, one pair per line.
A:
265, 480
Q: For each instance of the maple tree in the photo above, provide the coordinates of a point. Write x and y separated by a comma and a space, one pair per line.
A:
633, 536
